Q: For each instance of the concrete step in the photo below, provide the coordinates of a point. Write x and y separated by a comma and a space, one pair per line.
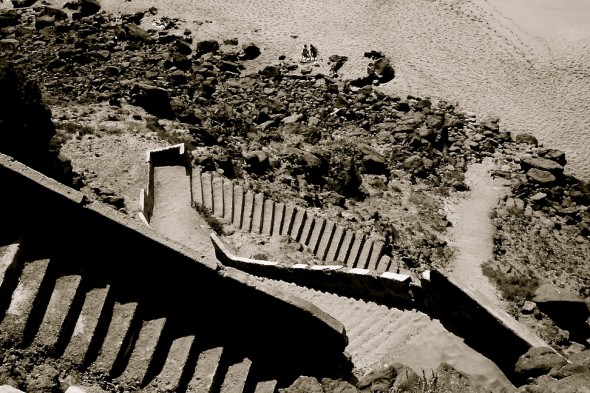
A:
376, 249
326, 240
248, 211
298, 223
58, 313
206, 371
355, 250
144, 350
344, 251
316, 235
238, 202
207, 190
383, 264
197, 187
85, 327
236, 376
278, 219
307, 229
9, 270
268, 216
228, 199
257, 213
24, 300
117, 337
335, 244
365, 254
218, 202
174, 368
288, 220
266, 387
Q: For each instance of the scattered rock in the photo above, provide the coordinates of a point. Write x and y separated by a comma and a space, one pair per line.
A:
153, 99
526, 138
304, 385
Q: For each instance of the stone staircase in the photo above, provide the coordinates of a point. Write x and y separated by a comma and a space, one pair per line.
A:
95, 326
252, 212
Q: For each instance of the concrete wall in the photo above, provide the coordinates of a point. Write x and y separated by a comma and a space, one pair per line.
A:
385, 288
484, 327
171, 155
110, 247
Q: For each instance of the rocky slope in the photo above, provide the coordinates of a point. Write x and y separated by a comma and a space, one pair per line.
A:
298, 132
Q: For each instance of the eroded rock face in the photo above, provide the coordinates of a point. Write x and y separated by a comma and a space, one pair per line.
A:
537, 362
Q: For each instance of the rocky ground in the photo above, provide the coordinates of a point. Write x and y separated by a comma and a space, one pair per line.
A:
298, 132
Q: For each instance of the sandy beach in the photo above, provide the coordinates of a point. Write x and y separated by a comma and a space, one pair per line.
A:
524, 61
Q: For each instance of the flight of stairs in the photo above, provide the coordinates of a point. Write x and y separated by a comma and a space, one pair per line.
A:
252, 212
96, 329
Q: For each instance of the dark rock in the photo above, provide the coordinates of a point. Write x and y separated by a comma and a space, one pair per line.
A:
375, 164
136, 33
153, 99
413, 163
448, 379
9, 18
271, 71
537, 362
337, 386
543, 164
207, 46
250, 51
566, 309
304, 385
403, 106
182, 47
89, 7
23, 3
422, 104
43, 22
228, 66
231, 41
257, 161
541, 177
554, 155
349, 178
526, 138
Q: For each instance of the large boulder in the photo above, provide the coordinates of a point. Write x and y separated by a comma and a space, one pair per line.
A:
89, 7
568, 310
543, 164
387, 376
384, 70
9, 18
153, 99
304, 385
526, 138
554, 155
23, 3
541, 177
538, 361
250, 51
207, 46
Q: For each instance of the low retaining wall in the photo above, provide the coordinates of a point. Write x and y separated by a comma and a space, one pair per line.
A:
484, 327
473, 317
171, 155
386, 288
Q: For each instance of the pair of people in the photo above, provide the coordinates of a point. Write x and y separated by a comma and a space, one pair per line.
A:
310, 54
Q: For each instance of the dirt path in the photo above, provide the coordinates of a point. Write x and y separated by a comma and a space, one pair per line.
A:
472, 229
173, 215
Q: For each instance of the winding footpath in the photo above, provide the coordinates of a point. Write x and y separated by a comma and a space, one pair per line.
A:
472, 230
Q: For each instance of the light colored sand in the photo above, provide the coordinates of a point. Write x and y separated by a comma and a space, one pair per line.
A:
472, 229
526, 61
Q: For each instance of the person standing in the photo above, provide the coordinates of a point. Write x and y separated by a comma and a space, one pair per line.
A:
313, 52
305, 54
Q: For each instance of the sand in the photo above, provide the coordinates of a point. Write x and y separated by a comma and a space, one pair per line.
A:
524, 61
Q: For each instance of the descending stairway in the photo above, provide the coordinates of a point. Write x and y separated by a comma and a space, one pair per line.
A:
378, 332
252, 212
93, 326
